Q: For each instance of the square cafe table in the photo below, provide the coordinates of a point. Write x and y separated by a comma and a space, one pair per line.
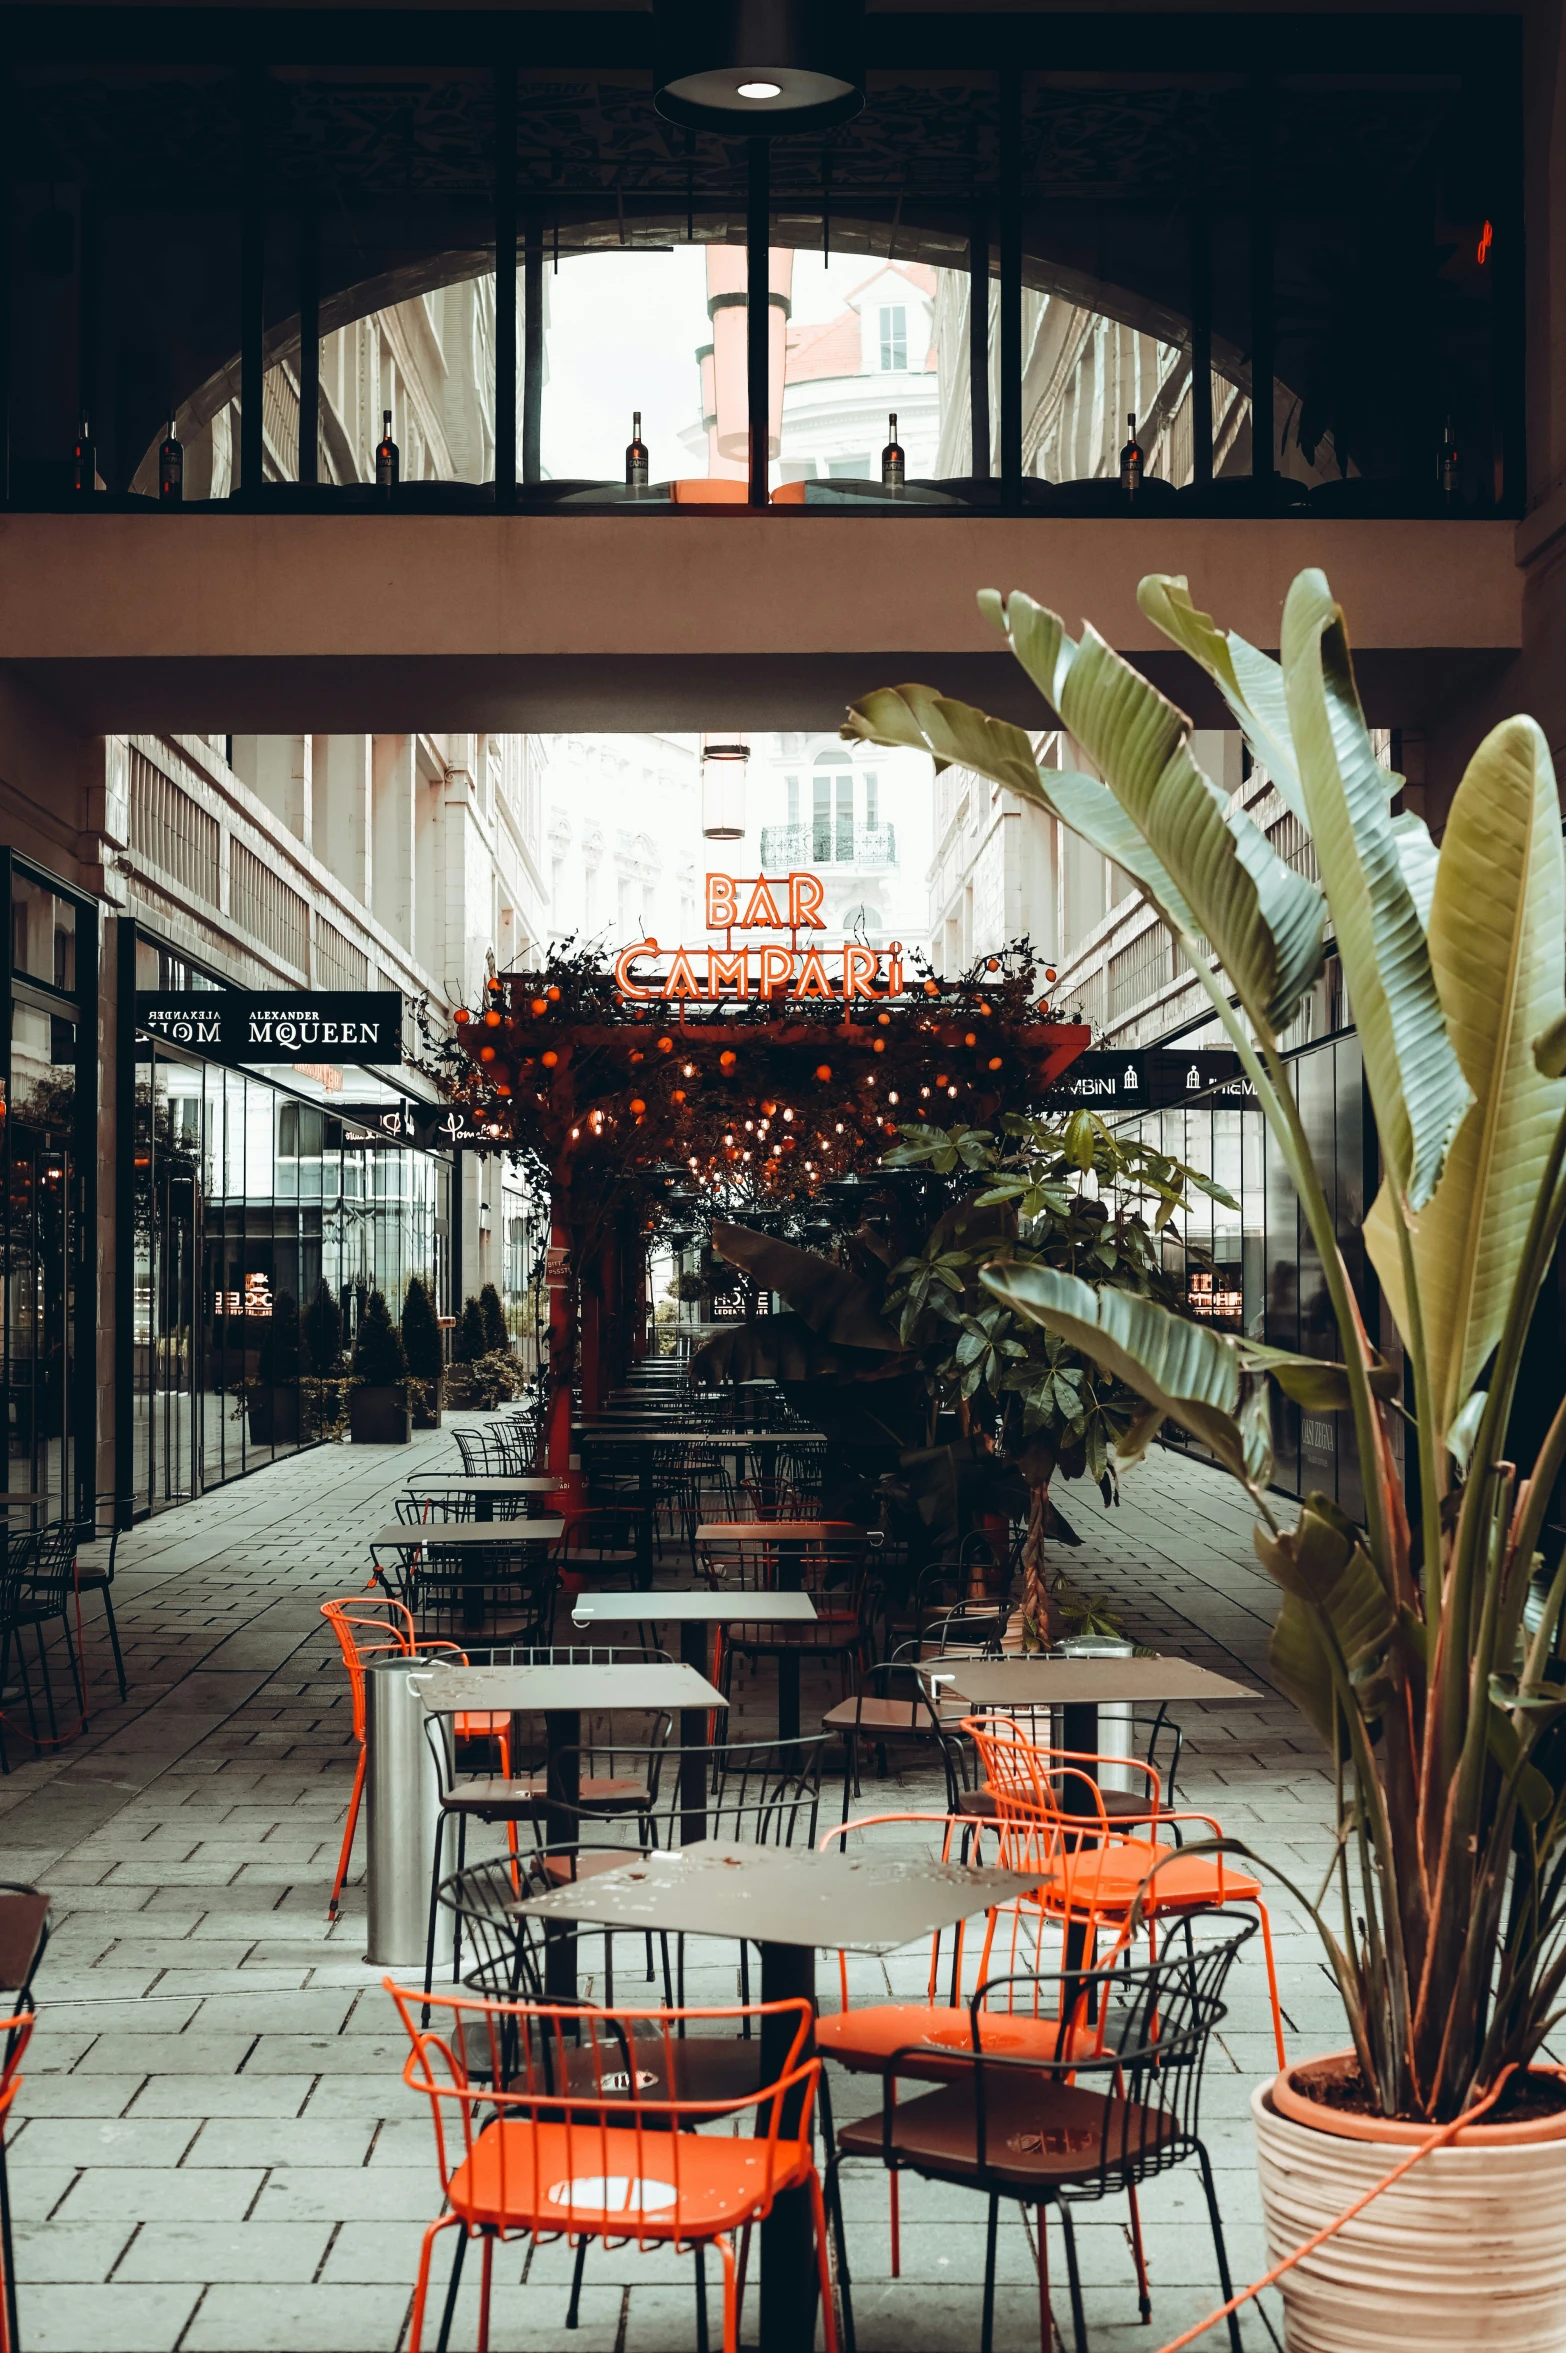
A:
790, 1537
693, 1613
475, 1536
485, 1490
1079, 1686
560, 1694
790, 1901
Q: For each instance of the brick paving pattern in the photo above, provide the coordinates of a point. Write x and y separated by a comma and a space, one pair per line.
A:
216, 2152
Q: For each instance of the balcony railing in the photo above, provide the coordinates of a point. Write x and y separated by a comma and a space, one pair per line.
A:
827, 844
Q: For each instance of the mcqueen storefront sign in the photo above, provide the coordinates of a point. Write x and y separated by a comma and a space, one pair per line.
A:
252, 1025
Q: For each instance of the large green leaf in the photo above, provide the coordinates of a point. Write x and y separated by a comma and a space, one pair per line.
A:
1322, 1565
1264, 919
1188, 1373
838, 1305
1250, 682
956, 735
1314, 1381
1498, 951
1416, 1082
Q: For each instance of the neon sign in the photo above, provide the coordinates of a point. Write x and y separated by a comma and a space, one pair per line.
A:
757, 903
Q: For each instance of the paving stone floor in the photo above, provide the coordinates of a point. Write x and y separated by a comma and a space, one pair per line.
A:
216, 2153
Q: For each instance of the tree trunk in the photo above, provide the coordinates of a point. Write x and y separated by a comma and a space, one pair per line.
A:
1041, 1619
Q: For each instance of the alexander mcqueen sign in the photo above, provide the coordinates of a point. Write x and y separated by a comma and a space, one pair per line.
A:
253, 1025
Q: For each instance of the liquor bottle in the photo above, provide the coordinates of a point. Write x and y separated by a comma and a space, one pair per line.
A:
894, 465
171, 468
84, 458
636, 455
387, 458
1131, 458
1448, 464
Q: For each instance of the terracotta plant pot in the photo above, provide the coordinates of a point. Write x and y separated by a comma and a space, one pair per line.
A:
1466, 2250
378, 1415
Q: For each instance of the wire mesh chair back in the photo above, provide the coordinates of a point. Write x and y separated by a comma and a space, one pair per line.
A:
48, 1567
1028, 1778
493, 1454
369, 1626
567, 2123
1155, 2025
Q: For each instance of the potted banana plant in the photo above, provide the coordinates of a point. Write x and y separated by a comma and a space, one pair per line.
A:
1426, 1646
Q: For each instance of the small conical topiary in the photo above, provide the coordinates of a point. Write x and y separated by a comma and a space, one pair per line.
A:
378, 1358
421, 1331
322, 1333
470, 1342
494, 1315
278, 1359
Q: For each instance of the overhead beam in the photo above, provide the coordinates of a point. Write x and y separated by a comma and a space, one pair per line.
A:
272, 624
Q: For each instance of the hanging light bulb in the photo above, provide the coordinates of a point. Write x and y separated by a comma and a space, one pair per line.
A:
723, 760
771, 66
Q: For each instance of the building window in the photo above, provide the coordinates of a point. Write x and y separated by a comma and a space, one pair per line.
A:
793, 800
872, 800
821, 822
845, 820
894, 337
850, 469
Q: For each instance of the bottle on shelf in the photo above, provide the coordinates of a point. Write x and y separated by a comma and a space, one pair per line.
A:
171, 468
388, 458
84, 458
1448, 464
636, 455
894, 465
1131, 458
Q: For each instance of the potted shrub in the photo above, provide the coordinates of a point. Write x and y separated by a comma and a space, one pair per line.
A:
324, 1383
494, 1320
378, 1402
272, 1400
1439, 1691
422, 1347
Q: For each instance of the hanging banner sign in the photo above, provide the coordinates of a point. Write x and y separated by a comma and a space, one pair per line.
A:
1154, 1079
646, 972
427, 1127
253, 1025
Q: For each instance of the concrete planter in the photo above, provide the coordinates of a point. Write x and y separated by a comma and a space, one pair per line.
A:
273, 1414
1467, 2250
378, 1415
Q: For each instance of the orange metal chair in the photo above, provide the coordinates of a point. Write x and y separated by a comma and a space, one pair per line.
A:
1101, 1864
17, 2033
375, 1626
546, 2127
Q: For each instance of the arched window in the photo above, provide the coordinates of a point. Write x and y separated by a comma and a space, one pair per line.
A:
832, 813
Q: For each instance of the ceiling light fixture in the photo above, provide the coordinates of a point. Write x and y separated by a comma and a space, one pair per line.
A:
717, 63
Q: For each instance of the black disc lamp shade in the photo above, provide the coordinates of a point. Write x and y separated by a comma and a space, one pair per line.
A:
759, 67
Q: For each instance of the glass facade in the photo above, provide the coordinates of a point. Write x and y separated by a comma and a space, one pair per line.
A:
46, 1207
1266, 1278
245, 1201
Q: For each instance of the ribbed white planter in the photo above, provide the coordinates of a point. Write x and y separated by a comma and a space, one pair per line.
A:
1468, 2249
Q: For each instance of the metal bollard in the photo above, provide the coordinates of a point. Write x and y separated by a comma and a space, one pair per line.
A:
1116, 1728
402, 1793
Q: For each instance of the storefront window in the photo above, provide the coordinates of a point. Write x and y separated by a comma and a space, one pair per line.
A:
45, 1286
247, 1201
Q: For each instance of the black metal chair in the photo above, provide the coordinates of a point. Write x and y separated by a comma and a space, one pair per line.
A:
1075, 2129
97, 1576
40, 1587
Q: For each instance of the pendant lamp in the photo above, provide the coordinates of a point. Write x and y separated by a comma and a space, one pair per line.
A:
723, 763
758, 67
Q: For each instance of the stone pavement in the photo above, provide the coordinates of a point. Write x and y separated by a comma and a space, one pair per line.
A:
216, 2151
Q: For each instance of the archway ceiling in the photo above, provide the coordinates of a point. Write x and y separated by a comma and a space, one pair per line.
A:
138, 133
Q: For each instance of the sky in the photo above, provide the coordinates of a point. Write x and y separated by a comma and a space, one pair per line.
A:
623, 332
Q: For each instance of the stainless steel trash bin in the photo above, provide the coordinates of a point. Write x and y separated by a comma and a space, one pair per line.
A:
402, 1796
1116, 1728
